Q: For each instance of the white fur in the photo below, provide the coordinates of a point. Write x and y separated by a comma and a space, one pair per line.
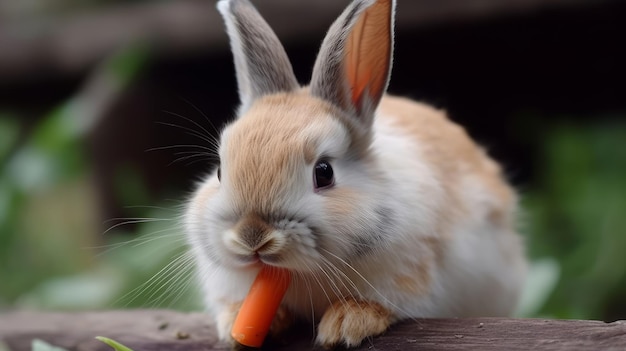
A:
472, 259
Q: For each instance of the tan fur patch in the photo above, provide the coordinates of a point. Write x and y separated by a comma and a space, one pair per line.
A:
349, 321
418, 282
343, 202
500, 216
309, 151
266, 147
445, 145
450, 151
435, 245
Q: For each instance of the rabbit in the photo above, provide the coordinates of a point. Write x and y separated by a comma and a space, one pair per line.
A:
381, 207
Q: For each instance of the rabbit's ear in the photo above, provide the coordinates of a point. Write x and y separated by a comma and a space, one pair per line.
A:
261, 62
354, 63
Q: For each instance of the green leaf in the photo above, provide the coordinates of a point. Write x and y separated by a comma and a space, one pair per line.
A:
9, 132
543, 277
40, 345
114, 344
126, 64
4, 347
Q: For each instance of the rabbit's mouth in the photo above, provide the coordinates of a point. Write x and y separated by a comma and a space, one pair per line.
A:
259, 259
256, 240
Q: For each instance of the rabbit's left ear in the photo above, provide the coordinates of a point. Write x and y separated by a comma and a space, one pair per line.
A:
353, 67
261, 62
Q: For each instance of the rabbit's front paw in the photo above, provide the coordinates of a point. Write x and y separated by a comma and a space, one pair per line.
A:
350, 321
225, 320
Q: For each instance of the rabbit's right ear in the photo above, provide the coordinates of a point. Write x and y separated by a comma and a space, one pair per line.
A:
354, 63
261, 62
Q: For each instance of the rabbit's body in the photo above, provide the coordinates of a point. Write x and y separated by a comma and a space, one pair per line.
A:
381, 207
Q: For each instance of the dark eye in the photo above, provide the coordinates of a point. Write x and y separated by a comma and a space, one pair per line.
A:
323, 176
219, 173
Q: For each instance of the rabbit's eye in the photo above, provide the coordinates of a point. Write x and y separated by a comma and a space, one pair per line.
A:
323, 176
219, 173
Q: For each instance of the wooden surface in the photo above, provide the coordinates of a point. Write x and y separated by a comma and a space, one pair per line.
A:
146, 330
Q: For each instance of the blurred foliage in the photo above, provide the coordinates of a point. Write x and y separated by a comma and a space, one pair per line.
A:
40, 345
577, 215
53, 253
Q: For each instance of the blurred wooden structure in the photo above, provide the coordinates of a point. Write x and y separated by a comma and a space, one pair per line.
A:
71, 43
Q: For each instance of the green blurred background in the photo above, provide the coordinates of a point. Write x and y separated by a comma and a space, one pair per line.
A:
104, 131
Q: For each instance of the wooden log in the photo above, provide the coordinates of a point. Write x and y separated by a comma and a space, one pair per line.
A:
155, 330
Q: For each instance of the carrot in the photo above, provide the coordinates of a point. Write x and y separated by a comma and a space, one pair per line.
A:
260, 306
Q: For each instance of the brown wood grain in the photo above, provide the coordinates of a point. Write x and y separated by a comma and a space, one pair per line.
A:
155, 330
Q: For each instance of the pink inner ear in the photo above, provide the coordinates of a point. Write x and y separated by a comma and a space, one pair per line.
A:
368, 49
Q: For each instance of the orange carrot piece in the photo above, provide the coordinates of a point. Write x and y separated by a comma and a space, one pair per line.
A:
259, 307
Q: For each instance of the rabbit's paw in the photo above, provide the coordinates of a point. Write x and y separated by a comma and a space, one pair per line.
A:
225, 320
283, 320
350, 321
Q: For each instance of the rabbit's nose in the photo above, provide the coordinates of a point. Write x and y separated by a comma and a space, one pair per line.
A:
253, 231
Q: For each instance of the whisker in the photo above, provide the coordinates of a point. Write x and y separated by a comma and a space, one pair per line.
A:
139, 240
181, 159
201, 113
341, 277
188, 281
136, 292
188, 120
132, 221
364, 279
210, 140
193, 121
161, 208
333, 286
172, 276
191, 146
319, 283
